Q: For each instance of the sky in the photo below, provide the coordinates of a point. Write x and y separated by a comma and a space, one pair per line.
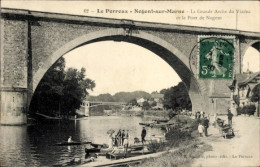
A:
120, 66
127, 67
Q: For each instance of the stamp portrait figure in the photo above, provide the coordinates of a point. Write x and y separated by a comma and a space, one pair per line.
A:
216, 58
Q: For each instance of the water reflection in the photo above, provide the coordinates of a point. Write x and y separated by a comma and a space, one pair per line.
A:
32, 145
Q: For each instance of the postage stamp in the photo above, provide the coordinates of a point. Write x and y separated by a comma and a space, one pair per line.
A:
216, 57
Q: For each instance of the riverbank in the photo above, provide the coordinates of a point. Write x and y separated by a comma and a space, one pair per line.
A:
183, 137
184, 155
181, 148
154, 113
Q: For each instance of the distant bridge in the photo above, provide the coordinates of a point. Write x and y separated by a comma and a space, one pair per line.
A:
90, 104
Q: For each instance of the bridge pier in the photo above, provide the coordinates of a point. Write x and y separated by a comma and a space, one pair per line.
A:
13, 106
31, 42
87, 106
14, 70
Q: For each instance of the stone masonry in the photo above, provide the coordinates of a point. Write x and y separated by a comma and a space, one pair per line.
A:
31, 42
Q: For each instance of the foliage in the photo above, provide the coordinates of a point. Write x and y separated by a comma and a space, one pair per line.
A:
176, 136
172, 113
61, 92
155, 146
188, 147
240, 111
184, 156
249, 110
256, 94
133, 102
127, 96
102, 97
176, 97
121, 96
153, 104
146, 105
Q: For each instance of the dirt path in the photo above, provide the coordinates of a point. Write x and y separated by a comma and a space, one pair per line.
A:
242, 150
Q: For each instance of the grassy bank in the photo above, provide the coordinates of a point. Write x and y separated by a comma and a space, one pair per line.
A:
183, 156
183, 137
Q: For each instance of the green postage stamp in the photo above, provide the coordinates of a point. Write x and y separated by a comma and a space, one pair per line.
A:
216, 57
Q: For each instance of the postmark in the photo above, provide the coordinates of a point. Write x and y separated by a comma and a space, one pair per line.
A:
215, 57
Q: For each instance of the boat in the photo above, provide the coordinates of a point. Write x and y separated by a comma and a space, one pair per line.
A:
136, 148
123, 155
146, 123
48, 117
71, 143
97, 148
94, 148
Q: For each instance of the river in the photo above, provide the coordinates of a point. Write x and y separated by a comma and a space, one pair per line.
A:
31, 145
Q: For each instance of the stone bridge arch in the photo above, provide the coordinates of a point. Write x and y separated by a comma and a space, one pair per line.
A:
175, 58
32, 41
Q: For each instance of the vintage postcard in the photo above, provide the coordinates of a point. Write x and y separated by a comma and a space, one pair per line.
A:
129, 83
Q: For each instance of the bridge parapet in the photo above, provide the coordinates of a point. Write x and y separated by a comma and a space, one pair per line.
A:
32, 41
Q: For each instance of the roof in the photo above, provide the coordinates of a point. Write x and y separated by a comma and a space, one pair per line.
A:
247, 80
242, 79
157, 95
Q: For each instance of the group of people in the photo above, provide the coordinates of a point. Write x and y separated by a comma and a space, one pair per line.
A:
119, 139
199, 114
204, 122
203, 126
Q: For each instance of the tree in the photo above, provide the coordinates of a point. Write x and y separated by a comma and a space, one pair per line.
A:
163, 91
133, 102
177, 97
146, 105
75, 90
255, 93
47, 94
153, 104
60, 91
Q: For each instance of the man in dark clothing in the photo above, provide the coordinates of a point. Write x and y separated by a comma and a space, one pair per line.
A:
230, 115
206, 125
123, 136
118, 138
143, 135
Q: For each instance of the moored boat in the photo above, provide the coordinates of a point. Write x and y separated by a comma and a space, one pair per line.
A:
71, 143
94, 148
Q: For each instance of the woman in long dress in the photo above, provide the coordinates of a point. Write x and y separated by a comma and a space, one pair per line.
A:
110, 141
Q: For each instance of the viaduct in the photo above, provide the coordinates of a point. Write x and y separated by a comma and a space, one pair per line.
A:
31, 42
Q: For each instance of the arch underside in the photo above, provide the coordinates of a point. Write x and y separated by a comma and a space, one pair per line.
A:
256, 45
177, 60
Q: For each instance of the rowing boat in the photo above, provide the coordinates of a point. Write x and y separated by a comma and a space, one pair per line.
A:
71, 143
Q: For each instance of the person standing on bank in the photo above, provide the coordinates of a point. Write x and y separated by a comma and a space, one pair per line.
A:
206, 125
200, 129
118, 137
125, 143
143, 134
230, 115
122, 136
